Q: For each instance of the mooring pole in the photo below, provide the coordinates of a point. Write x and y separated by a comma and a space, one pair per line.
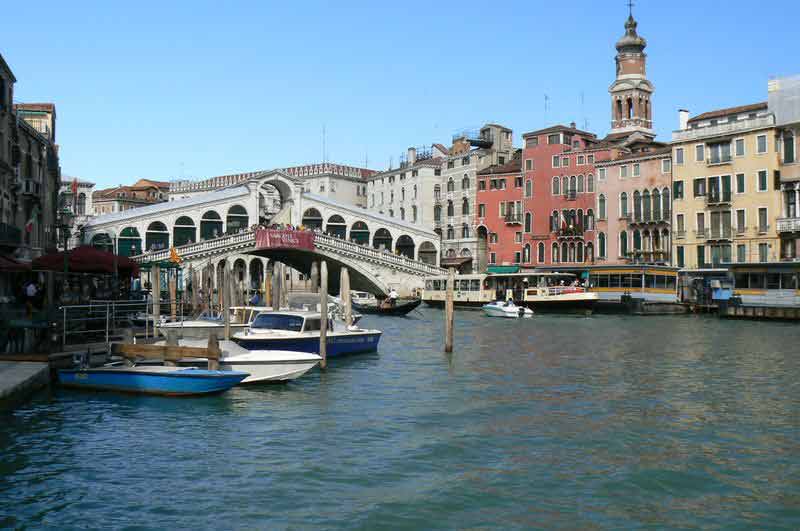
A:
268, 286
345, 296
314, 277
323, 310
226, 300
156, 299
173, 293
449, 311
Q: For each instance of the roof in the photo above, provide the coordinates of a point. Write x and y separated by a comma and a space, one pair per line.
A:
150, 182
441, 148
661, 151
761, 106
167, 206
7, 68
46, 107
558, 129
513, 166
454, 261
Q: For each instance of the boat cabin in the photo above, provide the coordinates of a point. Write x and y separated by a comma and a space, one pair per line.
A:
289, 321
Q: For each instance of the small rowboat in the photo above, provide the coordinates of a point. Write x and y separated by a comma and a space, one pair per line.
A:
506, 309
401, 308
153, 380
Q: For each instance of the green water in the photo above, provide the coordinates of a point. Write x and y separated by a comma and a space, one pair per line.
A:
552, 422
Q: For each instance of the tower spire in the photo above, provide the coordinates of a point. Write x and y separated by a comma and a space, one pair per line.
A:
630, 8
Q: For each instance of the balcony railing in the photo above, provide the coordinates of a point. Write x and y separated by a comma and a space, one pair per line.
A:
722, 129
10, 235
788, 224
571, 195
680, 234
721, 233
570, 232
717, 198
701, 234
513, 219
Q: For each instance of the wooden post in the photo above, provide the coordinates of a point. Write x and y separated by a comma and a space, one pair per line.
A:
276, 286
314, 277
173, 292
448, 312
172, 341
156, 299
214, 353
345, 296
323, 322
226, 300
195, 287
268, 287
284, 287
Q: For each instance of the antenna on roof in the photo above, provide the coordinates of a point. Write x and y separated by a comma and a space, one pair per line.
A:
366, 158
323, 144
583, 113
546, 107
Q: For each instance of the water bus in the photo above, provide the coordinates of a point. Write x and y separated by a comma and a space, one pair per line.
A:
636, 288
540, 290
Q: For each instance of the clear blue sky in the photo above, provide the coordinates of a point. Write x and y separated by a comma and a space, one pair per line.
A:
169, 89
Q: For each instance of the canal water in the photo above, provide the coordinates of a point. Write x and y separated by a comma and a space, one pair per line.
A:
552, 422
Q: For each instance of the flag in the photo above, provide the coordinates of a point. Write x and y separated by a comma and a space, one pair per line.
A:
74, 186
32, 220
174, 257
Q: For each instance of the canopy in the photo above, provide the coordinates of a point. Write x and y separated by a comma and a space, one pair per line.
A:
9, 265
87, 259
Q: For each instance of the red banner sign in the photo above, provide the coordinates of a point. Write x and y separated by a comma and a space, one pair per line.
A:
284, 239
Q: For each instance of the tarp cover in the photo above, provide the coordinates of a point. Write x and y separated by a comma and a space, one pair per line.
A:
284, 239
87, 259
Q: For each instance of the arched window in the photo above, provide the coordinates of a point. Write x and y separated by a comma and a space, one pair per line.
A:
637, 241
590, 252
451, 233
183, 231
465, 182
210, 225
656, 205
450, 209
601, 243
601, 207
415, 191
528, 188
451, 186
554, 221
555, 186
237, 219
637, 206
465, 231
540, 253
573, 185
526, 253
528, 222
157, 236
580, 184
564, 252
623, 205
437, 192
391, 213
590, 219
359, 233
623, 243
646, 205
554, 253
590, 184
666, 206
414, 213
564, 187
336, 227
579, 252
465, 207
81, 207
402, 213
402, 194
437, 213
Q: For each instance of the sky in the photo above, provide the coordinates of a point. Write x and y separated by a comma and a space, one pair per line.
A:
191, 89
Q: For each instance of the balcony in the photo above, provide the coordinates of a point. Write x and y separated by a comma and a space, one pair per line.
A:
647, 257
10, 236
720, 130
570, 232
715, 198
679, 234
788, 225
721, 234
648, 219
513, 219
701, 234
571, 195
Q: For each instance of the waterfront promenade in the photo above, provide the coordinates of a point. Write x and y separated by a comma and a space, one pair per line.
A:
18, 379
556, 421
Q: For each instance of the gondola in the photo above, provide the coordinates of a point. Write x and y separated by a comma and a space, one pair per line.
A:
401, 308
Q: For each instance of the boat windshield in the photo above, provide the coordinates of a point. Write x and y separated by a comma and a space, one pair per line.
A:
270, 321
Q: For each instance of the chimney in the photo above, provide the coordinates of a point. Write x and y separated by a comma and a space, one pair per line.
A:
572, 125
683, 119
412, 156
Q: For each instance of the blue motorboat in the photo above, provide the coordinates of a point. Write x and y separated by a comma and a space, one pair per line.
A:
154, 380
300, 331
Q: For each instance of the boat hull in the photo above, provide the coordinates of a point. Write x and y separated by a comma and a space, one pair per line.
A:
151, 380
584, 306
337, 345
200, 332
500, 312
402, 308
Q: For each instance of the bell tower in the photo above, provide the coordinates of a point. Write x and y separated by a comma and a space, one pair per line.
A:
631, 93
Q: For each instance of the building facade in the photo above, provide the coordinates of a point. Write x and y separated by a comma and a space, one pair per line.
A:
124, 197
499, 218
726, 187
635, 190
784, 103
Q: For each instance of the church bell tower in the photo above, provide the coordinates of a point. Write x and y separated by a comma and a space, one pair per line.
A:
631, 93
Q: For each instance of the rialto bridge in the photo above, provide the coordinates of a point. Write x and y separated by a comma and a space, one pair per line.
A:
214, 229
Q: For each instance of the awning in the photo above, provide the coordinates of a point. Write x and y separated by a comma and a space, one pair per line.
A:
504, 270
87, 259
9, 265
455, 261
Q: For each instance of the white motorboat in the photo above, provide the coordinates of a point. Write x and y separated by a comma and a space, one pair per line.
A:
262, 365
506, 309
212, 321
